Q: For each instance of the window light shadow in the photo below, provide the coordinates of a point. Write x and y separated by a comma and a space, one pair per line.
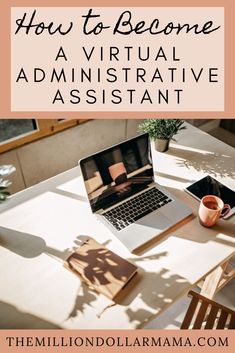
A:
22, 320
174, 177
85, 297
157, 291
70, 194
28, 245
215, 164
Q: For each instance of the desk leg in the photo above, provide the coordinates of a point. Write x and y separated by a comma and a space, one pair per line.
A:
212, 281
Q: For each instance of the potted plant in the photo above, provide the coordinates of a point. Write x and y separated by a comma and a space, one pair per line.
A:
5, 170
162, 131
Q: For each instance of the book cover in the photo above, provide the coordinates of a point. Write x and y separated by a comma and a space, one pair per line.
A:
100, 268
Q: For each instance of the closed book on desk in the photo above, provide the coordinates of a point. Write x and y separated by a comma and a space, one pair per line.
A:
100, 268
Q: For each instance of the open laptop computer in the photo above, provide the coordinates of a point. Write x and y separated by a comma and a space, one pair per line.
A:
122, 192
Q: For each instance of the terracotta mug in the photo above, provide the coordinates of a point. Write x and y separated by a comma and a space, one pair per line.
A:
211, 209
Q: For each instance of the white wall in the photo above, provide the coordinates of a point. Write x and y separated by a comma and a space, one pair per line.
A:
51, 155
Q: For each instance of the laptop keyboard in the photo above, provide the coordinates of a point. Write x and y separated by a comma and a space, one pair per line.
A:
136, 208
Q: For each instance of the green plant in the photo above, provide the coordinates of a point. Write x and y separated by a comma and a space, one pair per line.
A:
5, 170
162, 128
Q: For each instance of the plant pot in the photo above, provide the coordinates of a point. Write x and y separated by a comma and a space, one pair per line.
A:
161, 145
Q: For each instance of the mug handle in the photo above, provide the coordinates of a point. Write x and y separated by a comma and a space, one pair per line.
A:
227, 209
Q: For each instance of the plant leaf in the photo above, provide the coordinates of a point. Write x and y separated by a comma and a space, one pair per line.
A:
5, 183
4, 195
162, 128
6, 170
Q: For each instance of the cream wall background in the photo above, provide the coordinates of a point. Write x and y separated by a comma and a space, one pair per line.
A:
51, 155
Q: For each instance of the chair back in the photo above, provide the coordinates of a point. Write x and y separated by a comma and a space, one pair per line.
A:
204, 313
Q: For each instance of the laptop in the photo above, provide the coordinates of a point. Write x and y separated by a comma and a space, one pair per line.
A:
123, 194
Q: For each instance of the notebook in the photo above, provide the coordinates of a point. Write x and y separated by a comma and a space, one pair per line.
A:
100, 268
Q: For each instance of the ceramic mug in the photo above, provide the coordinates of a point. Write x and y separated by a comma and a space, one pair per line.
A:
211, 209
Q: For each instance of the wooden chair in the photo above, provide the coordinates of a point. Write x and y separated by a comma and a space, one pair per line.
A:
204, 313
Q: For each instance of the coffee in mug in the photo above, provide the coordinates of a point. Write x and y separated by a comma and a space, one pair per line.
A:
212, 205
211, 209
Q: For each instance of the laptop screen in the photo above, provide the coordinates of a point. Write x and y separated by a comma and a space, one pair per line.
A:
117, 173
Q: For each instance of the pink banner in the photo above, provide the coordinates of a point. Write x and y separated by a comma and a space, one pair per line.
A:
115, 341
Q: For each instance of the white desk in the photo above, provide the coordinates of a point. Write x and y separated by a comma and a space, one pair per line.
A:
39, 227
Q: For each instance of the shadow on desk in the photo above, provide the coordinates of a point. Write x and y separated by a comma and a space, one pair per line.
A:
173, 177
191, 230
215, 164
69, 194
153, 291
28, 245
12, 318
157, 291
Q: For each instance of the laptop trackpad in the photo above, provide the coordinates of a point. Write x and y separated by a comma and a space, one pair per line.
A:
156, 220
